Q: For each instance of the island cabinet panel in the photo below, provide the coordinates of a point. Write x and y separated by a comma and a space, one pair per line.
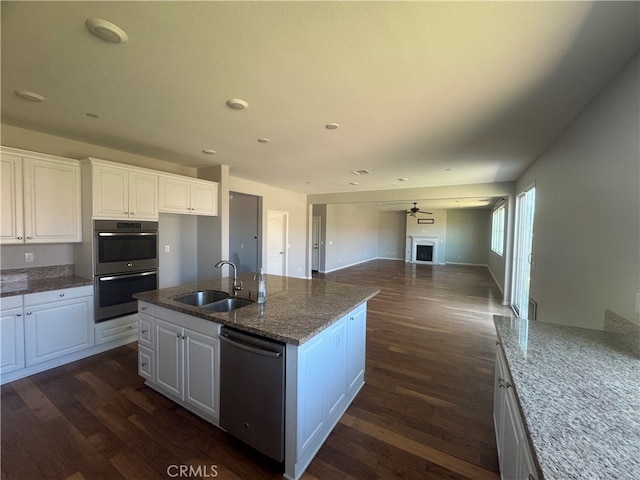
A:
324, 375
180, 362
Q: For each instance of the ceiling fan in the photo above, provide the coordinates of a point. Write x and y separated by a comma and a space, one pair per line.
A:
415, 210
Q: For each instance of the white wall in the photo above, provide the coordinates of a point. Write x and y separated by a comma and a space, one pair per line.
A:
295, 204
351, 236
586, 243
180, 264
468, 236
391, 235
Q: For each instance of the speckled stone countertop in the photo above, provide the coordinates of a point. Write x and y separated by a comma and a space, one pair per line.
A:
295, 311
579, 392
41, 279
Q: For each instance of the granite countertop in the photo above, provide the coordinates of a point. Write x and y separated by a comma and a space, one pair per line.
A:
579, 392
295, 311
42, 279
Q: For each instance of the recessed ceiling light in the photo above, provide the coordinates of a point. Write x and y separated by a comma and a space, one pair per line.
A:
106, 31
264, 140
31, 96
403, 179
354, 183
447, 169
209, 151
331, 126
237, 104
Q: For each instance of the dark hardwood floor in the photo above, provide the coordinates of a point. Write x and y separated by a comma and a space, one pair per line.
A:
425, 411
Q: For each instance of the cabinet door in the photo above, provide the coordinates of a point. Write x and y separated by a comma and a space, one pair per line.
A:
11, 340
204, 198
143, 196
336, 366
357, 345
52, 202
56, 329
498, 401
110, 192
168, 357
145, 362
145, 330
202, 356
311, 381
174, 195
11, 220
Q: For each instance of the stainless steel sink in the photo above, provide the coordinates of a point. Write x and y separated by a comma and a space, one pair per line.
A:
201, 298
228, 304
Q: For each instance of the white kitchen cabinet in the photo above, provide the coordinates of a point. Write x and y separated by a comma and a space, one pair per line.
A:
184, 360
120, 328
357, 346
183, 195
514, 455
57, 323
11, 335
41, 198
121, 192
336, 366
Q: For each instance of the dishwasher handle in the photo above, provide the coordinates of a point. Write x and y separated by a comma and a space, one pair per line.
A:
250, 348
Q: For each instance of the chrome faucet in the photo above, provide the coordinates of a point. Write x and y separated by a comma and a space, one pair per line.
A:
237, 284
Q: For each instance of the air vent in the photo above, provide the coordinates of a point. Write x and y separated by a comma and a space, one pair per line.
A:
360, 172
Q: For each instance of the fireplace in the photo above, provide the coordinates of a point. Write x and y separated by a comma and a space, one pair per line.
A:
424, 250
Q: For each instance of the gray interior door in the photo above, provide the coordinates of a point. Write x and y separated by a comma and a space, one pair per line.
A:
245, 242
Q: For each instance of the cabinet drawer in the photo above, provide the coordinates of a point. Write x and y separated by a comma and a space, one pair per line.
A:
9, 303
57, 295
145, 330
145, 362
116, 329
146, 308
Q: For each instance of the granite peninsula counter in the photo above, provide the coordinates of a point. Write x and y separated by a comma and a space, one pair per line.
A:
296, 309
579, 394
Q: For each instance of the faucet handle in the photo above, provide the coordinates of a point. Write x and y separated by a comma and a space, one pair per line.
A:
238, 286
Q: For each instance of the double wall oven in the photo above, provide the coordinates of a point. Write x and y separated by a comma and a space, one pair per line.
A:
125, 262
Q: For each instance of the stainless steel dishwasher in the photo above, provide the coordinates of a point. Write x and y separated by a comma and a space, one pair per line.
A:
252, 390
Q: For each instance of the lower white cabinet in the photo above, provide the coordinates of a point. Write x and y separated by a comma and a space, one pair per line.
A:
181, 361
324, 375
121, 328
11, 335
57, 323
514, 455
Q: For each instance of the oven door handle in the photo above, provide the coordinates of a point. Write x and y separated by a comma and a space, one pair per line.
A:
125, 234
131, 275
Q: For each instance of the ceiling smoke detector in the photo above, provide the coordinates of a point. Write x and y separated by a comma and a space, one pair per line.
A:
237, 104
106, 31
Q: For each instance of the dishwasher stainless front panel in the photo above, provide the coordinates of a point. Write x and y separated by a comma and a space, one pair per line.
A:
252, 392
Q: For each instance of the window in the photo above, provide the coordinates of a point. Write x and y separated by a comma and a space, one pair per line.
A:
497, 230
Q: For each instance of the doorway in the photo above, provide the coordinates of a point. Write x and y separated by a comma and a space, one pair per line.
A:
315, 244
245, 245
525, 206
277, 233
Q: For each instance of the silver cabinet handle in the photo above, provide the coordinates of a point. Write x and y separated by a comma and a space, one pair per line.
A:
28, 313
19, 238
62, 294
179, 336
143, 331
29, 237
144, 364
18, 314
509, 385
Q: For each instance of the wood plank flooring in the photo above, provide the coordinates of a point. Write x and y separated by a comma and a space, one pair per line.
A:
425, 411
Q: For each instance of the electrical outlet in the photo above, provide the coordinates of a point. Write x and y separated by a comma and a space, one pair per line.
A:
28, 257
167, 248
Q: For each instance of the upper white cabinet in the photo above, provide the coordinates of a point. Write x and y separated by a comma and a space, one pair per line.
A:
41, 198
188, 196
121, 192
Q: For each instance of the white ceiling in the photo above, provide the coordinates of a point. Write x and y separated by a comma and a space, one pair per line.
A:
440, 93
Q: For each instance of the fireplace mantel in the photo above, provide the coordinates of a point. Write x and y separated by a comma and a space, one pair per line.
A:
427, 241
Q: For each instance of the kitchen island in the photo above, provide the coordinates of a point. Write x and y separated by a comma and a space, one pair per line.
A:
321, 323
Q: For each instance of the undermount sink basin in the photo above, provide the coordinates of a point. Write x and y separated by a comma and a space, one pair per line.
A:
228, 304
201, 298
